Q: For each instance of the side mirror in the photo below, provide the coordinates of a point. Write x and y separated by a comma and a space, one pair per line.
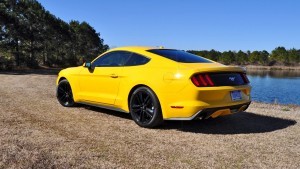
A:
88, 65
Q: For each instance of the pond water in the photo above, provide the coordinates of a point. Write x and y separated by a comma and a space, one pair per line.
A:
276, 86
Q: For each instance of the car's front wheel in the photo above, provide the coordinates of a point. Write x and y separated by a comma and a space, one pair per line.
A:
145, 108
64, 93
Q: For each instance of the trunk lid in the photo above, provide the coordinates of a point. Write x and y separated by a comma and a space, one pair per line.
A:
214, 74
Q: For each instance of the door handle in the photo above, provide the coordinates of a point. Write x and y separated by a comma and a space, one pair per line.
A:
114, 76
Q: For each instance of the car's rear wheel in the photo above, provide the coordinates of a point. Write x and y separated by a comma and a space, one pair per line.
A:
144, 108
64, 94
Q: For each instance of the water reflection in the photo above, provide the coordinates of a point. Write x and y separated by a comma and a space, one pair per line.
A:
276, 86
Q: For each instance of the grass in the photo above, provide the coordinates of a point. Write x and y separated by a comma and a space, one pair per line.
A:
285, 109
36, 132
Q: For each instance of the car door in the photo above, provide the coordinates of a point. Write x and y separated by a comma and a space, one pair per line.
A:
100, 84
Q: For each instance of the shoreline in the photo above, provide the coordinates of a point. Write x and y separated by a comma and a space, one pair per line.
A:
250, 67
277, 104
270, 68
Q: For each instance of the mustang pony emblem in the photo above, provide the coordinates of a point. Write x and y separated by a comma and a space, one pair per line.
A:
231, 78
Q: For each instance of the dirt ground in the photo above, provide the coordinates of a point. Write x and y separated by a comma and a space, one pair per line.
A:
36, 132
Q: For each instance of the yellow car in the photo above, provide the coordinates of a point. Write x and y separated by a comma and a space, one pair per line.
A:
155, 84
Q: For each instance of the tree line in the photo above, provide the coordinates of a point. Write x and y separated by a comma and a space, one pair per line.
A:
31, 36
278, 56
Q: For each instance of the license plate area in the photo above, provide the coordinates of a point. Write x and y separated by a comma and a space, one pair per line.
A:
236, 95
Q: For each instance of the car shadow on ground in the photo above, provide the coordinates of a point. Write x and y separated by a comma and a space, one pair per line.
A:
107, 111
240, 123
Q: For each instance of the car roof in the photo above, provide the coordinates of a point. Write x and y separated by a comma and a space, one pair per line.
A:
133, 48
137, 49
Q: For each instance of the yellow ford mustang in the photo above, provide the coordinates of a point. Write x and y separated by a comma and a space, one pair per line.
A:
154, 84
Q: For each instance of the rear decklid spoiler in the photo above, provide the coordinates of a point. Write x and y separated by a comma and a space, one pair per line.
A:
210, 67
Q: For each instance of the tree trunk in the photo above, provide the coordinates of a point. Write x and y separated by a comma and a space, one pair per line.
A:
17, 53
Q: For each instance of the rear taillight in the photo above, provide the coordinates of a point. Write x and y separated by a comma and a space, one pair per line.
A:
245, 78
202, 80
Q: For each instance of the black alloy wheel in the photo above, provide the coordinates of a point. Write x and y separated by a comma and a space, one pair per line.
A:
145, 109
64, 94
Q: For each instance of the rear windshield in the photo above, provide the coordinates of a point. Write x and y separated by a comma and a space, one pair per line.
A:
179, 56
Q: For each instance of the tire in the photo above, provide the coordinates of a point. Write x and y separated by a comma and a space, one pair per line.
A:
64, 94
144, 108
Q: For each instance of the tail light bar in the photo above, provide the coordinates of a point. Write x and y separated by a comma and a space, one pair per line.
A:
217, 79
202, 80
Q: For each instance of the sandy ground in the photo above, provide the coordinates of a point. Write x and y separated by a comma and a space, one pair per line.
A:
36, 132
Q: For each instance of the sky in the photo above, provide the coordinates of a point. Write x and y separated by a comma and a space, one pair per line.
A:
188, 25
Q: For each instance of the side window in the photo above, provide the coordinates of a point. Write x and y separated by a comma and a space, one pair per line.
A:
112, 59
136, 59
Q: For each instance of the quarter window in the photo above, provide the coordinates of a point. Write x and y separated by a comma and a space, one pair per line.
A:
112, 59
136, 59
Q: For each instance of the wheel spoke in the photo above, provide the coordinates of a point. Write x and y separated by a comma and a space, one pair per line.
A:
66, 87
138, 113
142, 116
62, 97
146, 100
136, 106
149, 112
60, 89
69, 89
68, 99
140, 97
63, 86
149, 102
134, 110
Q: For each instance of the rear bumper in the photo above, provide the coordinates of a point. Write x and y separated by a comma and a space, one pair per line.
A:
191, 101
221, 111
216, 112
